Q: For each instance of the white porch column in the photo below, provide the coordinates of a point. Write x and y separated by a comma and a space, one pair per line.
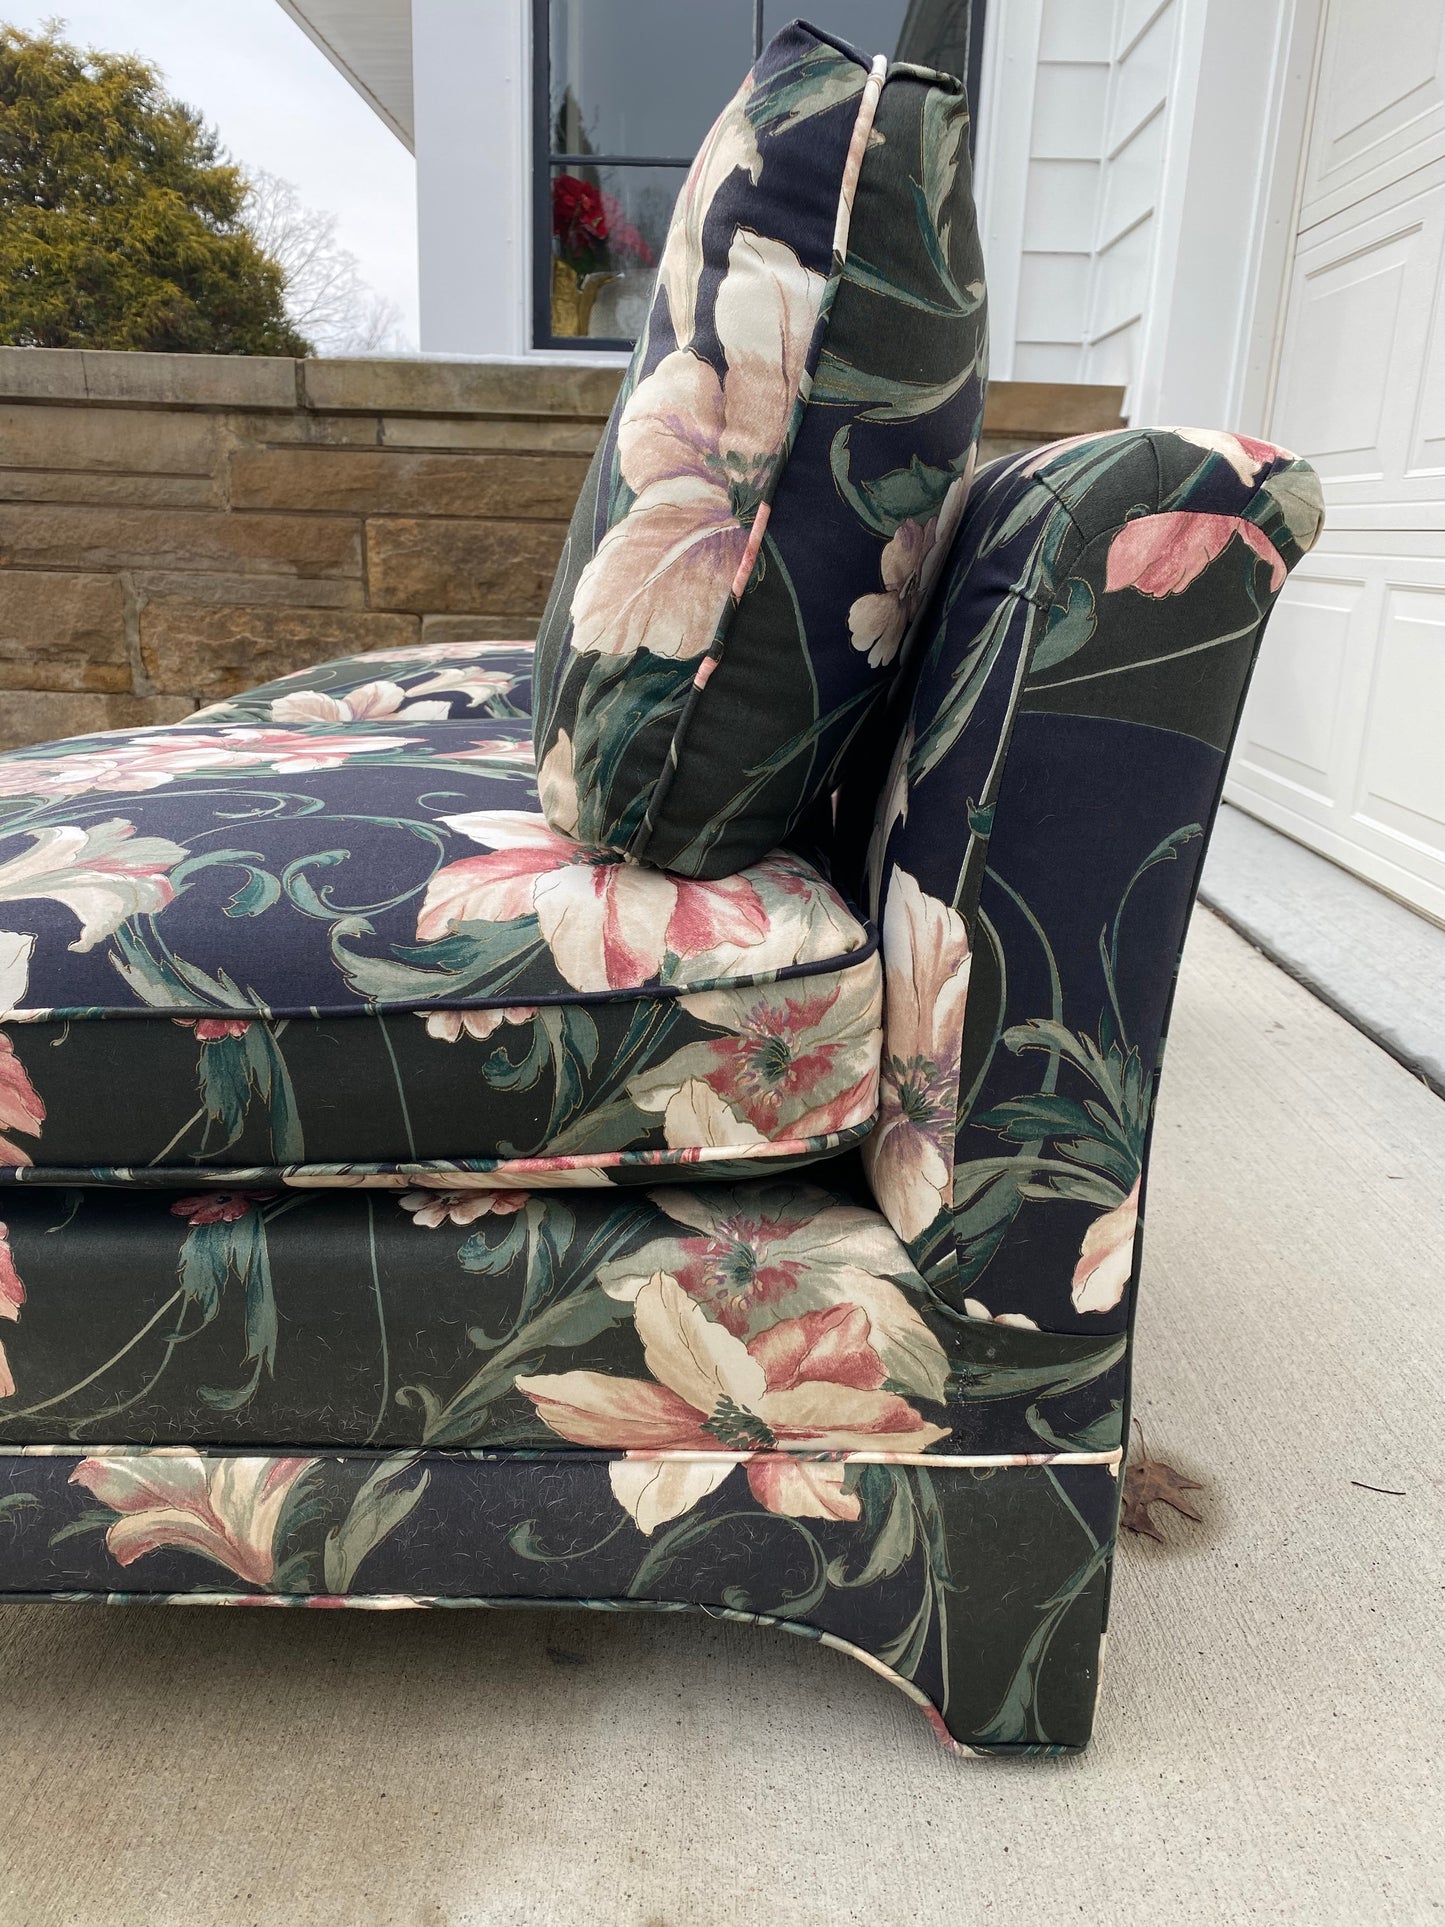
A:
1005, 129
1231, 153
471, 68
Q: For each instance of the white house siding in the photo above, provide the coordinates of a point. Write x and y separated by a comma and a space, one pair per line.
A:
1144, 83
1123, 147
1070, 110
1080, 98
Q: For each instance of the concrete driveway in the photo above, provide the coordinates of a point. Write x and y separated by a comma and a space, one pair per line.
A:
1270, 1740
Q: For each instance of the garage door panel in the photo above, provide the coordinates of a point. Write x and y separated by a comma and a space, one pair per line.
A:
1427, 452
1343, 740
1289, 737
1380, 110
1341, 356
1362, 379
1401, 789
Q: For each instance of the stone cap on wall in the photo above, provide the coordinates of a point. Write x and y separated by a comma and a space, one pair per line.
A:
381, 384
1049, 410
412, 386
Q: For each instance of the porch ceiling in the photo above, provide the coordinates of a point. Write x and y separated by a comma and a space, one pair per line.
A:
370, 42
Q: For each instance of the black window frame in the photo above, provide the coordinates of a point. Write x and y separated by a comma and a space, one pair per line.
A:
544, 159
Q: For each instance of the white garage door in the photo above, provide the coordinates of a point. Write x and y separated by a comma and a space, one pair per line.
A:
1343, 743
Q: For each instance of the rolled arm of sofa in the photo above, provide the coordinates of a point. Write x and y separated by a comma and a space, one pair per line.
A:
1037, 846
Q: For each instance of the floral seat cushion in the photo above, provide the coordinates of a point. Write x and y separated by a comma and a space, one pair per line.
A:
690, 1326
315, 949
741, 1397
414, 682
784, 469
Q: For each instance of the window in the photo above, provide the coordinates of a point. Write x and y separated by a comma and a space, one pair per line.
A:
623, 92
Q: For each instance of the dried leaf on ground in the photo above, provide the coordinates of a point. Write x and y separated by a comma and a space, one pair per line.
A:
1150, 1482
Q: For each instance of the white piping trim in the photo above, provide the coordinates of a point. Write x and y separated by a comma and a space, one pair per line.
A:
857, 146
605, 1455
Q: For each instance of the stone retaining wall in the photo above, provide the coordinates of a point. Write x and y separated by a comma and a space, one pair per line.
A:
174, 528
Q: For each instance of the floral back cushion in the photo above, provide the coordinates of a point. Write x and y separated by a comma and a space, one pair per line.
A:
787, 461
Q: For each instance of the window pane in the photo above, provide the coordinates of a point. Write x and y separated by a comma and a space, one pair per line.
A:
647, 78
608, 227
938, 33
644, 76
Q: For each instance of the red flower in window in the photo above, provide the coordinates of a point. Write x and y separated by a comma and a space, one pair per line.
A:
591, 228
579, 222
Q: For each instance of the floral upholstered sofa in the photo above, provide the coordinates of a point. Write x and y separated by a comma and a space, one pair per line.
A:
661, 1120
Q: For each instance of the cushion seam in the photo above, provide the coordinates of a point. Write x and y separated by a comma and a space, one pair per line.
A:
825, 1144
551, 999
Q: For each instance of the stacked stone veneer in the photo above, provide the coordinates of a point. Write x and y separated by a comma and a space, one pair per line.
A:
174, 528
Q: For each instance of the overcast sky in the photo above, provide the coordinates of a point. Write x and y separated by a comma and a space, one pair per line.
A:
278, 103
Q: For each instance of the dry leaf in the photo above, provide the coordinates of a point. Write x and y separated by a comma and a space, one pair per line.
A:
1152, 1482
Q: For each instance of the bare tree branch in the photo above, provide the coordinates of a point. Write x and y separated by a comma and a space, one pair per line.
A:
327, 299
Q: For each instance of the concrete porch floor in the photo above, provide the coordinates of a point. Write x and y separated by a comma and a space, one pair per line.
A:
1269, 1747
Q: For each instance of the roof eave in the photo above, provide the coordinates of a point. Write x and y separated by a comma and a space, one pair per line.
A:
339, 62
